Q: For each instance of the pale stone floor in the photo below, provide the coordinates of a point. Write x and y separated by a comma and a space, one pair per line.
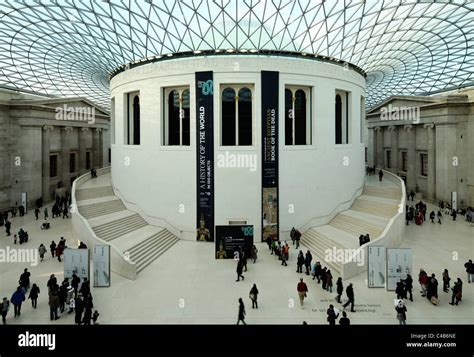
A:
187, 286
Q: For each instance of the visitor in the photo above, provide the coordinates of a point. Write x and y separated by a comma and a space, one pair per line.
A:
7, 227
253, 296
45, 213
14, 238
401, 312
423, 280
432, 293
329, 281
324, 278
241, 316
317, 271
65, 212
35, 290
380, 175
361, 239
243, 259
400, 290
63, 294
284, 254
350, 296
470, 271
367, 238
408, 286
42, 251
439, 215
254, 253
273, 247
344, 320
25, 280
332, 315
75, 280
52, 247
307, 262
4, 306
302, 291
269, 243
412, 194
432, 216
95, 316
78, 309
454, 214
59, 251
297, 239
17, 299
339, 289
52, 281
457, 292
37, 212
87, 315
53, 302
300, 262
240, 267
446, 280
407, 219
85, 288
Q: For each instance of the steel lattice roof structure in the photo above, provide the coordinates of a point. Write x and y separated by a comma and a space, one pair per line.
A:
70, 47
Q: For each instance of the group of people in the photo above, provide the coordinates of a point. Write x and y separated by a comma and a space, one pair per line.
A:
282, 251
429, 287
364, 239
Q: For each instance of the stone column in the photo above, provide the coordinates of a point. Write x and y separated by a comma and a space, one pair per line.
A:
371, 147
379, 156
46, 145
82, 149
101, 148
411, 157
431, 184
394, 149
96, 148
65, 157
446, 161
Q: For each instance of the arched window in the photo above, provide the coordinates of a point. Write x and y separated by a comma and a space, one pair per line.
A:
136, 120
338, 119
176, 131
228, 122
341, 117
297, 115
132, 120
245, 117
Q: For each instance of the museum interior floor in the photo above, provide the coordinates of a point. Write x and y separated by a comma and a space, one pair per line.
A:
186, 285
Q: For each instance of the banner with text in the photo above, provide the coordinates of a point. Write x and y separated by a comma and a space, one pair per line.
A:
270, 92
205, 156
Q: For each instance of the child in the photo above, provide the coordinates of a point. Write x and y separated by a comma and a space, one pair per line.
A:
14, 238
95, 316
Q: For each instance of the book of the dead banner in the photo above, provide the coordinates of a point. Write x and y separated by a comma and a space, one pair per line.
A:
205, 156
270, 88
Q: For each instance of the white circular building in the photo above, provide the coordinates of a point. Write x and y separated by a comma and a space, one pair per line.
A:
268, 139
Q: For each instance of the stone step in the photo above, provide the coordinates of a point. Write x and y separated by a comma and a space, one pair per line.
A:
355, 226
117, 228
100, 209
95, 192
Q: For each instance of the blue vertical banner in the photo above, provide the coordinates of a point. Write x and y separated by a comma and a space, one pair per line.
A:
270, 93
205, 156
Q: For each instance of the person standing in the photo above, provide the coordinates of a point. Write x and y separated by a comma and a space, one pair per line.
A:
62, 294
324, 278
439, 215
350, 296
17, 299
423, 280
269, 243
253, 296
7, 227
454, 214
332, 316
446, 280
409, 286
344, 320
302, 289
78, 309
52, 246
339, 289
241, 316
4, 306
35, 290
307, 261
45, 213
299, 262
42, 251
317, 272
37, 212
25, 280
432, 216
53, 302
240, 268
329, 281
400, 290
75, 283
401, 312
457, 292
469, 270
380, 175
95, 316
65, 214
254, 253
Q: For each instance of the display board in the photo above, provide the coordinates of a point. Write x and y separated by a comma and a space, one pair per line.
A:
399, 264
230, 238
376, 269
205, 156
76, 261
101, 265
270, 95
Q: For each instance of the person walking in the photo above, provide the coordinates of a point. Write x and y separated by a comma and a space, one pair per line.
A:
269, 243
302, 289
53, 302
432, 216
17, 299
4, 306
253, 295
59, 251
65, 214
240, 268
332, 315
329, 281
35, 290
300, 262
254, 253
62, 294
339, 289
439, 215
454, 214
241, 316
432, 293
409, 286
470, 271
78, 309
7, 227
285, 254
324, 278
400, 290
52, 247
446, 280
350, 296
423, 280
307, 262
42, 251
45, 213
401, 312
344, 320
37, 212
317, 271
380, 175
25, 280
75, 284
457, 292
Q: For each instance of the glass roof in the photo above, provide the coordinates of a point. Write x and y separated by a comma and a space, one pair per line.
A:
69, 48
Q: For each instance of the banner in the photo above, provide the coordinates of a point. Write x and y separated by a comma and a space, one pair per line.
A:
205, 156
270, 92
76, 261
101, 264
376, 267
230, 238
399, 264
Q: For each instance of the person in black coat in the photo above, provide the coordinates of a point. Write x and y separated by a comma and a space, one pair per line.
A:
63, 294
35, 290
7, 227
52, 246
432, 216
400, 290
241, 316
240, 268
401, 313
75, 280
307, 262
299, 262
409, 286
324, 277
79, 309
332, 316
344, 320
350, 296
339, 289
25, 280
85, 288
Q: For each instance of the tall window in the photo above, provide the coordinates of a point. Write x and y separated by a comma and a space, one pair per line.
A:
88, 160
341, 117
388, 155
297, 115
424, 164
237, 118
404, 161
176, 119
132, 123
112, 120
362, 118
53, 165
72, 162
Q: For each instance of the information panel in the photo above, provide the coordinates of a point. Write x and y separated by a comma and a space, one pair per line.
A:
205, 156
101, 264
270, 92
376, 267
76, 261
230, 238
399, 264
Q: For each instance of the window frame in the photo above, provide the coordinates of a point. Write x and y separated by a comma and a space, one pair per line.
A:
424, 164
128, 122
166, 91
308, 91
55, 154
